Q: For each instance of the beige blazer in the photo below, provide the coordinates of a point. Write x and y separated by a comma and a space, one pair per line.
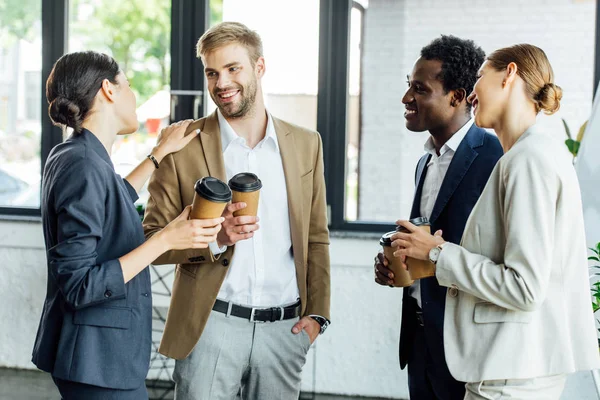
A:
519, 301
199, 275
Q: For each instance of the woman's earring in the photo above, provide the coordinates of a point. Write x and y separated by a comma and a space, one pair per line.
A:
503, 83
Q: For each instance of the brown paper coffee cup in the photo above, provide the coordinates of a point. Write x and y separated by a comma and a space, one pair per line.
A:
210, 198
251, 200
206, 209
419, 268
402, 278
245, 187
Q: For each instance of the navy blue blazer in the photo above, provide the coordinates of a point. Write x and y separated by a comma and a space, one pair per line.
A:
465, 179
94, 328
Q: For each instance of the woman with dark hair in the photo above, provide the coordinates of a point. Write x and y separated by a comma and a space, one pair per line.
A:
518, 316
95, 332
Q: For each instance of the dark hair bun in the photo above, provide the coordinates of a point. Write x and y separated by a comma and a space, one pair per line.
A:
548, 98
64, 112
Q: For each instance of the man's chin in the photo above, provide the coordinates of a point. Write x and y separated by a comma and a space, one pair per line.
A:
228, 110
411, 126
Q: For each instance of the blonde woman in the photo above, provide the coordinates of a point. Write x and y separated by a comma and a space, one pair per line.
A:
518, 315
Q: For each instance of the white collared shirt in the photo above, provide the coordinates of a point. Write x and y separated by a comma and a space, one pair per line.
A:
436, 172
262, 271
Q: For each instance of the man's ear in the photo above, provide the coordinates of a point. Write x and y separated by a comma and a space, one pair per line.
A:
458, 96
260, 67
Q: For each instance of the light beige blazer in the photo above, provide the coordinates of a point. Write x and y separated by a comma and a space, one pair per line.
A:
519, 302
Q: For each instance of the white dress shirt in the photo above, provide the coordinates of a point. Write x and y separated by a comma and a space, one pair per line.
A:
436, 171
262, 271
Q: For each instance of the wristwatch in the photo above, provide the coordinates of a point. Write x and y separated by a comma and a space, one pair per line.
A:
324, 322
434, 253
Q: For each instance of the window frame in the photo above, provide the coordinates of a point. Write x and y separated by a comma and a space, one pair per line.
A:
334, 48
54, 28
332, 112
188, 17
332, 98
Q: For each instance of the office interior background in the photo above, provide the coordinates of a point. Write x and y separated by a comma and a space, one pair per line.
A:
335, 66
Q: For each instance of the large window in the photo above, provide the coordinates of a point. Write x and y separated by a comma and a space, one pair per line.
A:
379, 154
335, 66
20, 85
136, 33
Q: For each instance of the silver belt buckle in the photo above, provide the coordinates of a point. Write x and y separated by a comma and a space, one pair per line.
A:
252, 316
282, 312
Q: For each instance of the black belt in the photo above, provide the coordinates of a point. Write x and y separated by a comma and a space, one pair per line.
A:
258, 314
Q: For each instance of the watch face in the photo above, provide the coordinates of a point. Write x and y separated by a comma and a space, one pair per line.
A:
434, 254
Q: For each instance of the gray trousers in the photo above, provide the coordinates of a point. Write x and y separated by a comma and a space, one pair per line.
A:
239, 359
544, 388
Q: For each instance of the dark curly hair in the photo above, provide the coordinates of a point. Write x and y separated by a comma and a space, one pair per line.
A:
461, 59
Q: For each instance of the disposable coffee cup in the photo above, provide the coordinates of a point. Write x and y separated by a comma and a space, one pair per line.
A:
402, 277
245, 187
419, 268
210, 198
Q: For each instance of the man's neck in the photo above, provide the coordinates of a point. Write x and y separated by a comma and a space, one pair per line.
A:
440, 136
252, 126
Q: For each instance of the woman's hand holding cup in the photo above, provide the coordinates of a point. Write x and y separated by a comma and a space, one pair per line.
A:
416, 243
183, 233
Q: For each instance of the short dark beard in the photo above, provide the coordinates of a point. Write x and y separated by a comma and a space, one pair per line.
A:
246, 105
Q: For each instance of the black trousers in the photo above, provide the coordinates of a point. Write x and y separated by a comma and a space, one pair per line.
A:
427, 379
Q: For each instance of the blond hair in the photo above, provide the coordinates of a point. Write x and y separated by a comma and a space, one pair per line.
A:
227, 33
535, 69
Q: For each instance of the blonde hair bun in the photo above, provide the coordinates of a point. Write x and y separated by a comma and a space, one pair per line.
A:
548, 98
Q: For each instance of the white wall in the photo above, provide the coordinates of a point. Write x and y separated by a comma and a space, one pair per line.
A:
357, 356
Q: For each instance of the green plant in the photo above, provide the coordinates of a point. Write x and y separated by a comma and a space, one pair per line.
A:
574, 144
596, 286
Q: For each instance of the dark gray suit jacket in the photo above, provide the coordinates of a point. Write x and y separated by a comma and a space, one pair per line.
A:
94, 328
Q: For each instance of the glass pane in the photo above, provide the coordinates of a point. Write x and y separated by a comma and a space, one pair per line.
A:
20, 102
291, 51
353, 126
137, 34
391, 37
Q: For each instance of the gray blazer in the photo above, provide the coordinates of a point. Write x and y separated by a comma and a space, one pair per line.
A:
94, 328
519, 303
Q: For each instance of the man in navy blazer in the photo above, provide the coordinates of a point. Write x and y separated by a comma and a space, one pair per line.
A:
449, 179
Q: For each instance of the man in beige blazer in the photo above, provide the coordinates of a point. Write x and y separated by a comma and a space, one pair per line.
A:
244, 313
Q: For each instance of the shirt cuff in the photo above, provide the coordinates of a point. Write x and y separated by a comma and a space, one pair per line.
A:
444, 272
215, 249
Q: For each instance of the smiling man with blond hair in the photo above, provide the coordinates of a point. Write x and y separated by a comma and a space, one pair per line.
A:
245, 312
